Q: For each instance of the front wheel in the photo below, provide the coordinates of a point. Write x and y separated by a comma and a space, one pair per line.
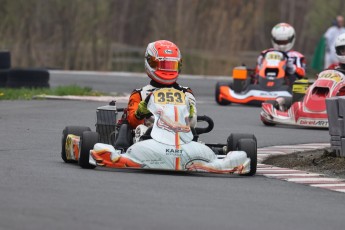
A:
87, 141
217, 93
249, 146
75, 130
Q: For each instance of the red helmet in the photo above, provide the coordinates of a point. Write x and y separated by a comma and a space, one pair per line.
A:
163, 62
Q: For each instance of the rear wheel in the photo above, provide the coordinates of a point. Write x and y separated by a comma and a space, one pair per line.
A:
87, 142
75, 130
249, 146
217, 92
233, 139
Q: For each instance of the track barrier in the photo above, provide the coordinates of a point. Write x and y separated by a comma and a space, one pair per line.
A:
336, 115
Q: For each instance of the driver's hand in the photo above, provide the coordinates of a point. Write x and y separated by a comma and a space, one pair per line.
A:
290, 66
142, 111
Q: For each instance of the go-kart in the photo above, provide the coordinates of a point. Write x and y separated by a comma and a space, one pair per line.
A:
248, 87
169, 144
307, 107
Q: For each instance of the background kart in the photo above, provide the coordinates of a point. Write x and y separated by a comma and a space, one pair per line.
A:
247, 88
112, 144
307, 108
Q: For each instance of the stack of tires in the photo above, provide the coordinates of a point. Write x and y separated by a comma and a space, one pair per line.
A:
5, 65
21, 77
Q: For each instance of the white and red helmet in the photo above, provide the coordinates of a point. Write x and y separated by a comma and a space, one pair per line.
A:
283, 37
163, 62
340, 48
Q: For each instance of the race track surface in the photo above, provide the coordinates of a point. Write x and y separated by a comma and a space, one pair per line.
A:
39, 191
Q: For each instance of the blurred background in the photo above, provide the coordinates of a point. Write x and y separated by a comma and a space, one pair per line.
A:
108, 35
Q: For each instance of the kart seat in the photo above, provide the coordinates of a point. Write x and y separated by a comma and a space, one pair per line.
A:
124, 137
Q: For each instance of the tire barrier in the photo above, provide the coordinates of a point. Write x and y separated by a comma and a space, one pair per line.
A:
5, 60
5, 65
3, 77
31, 78
336, 115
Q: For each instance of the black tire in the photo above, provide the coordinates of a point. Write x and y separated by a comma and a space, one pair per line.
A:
217, 92
267, 123
238, 85
250, 147
75, 130
232, 142
87, 141
3, 78
5, 60
28, 78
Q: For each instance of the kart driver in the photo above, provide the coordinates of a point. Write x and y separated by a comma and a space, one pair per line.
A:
283, 39
340, 52
163, 64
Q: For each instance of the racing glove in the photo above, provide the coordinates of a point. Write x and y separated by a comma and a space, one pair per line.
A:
191, 111
142, 111
290, 66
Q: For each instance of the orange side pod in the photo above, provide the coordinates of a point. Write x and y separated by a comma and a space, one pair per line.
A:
240, 73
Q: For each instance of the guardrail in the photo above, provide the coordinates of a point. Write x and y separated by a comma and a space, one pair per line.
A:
336, 115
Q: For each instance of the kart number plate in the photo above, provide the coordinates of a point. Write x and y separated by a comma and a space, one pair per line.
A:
169, 96
331, 75
274, 56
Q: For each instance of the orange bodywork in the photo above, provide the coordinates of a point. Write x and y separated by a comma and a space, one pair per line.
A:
205, 167
280, 67
102, 158
225, 94
239, 73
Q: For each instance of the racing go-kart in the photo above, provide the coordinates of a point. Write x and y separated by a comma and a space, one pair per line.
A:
307, 107
249, 88
169, 144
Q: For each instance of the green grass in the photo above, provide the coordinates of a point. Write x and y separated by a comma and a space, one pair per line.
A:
28, 93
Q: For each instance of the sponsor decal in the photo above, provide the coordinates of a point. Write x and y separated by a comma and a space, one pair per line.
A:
313, 122
173, 152
195, 160
269, 94
168, 51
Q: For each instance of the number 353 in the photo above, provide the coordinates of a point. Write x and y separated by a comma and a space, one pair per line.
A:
169, 96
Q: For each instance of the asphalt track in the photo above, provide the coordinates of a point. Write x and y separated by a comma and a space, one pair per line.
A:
38, 191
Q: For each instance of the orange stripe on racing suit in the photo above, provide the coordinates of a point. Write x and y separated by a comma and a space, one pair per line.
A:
133, 103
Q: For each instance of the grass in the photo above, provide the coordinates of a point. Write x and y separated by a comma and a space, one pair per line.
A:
28, 93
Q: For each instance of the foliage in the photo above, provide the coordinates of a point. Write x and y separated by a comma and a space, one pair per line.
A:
28, 93
91, 35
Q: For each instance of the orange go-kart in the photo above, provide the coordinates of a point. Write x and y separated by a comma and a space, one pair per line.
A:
249, 87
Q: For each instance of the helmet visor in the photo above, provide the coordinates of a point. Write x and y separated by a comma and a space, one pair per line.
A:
168, 65
164, 64
340, 50
283, 42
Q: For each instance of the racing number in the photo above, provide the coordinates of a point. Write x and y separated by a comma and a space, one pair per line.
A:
161, 97
169, 97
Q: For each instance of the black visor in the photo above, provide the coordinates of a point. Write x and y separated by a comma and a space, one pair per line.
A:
340, 50
283, 42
